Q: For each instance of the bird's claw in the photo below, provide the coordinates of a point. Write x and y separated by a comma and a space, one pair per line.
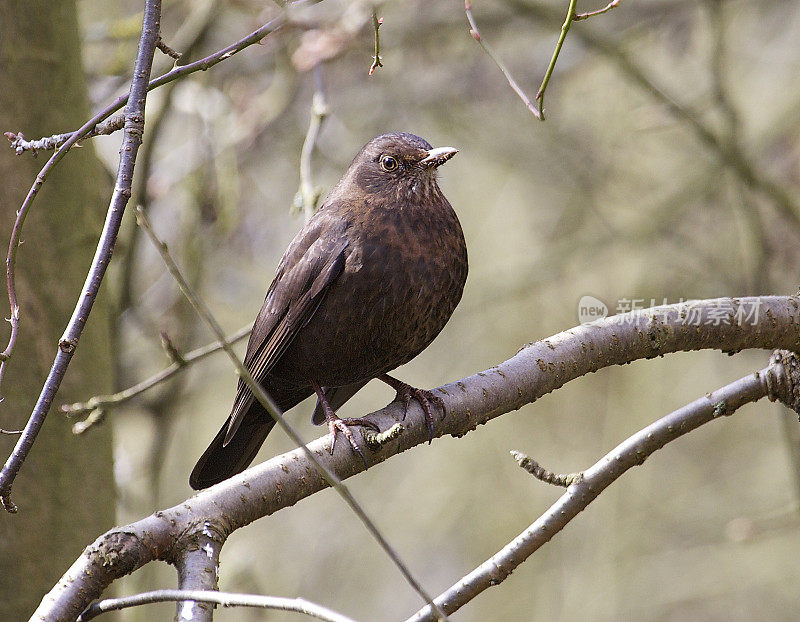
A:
405, 393
343, 425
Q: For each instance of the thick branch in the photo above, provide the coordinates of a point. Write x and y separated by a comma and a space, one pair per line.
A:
537, 369
198, 569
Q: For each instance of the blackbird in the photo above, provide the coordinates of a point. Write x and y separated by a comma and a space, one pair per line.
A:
364, 287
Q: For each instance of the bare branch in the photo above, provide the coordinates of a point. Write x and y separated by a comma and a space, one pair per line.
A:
537, 110
376, 55
96, 416
266, 401
539, 472
605, 9
551, 67
571, 17
161, 45
475, 33
176, 72
628, 454
134, 128
536, 370
20, 145
198, 569
110, 401
225, 599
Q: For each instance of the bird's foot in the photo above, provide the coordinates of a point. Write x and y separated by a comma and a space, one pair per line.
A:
405, 393
343, 425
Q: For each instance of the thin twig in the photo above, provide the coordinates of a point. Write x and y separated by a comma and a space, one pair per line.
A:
308, 194
266, 401
134, 128
475, 33
190, 35
539, 472
96, 417
161, 45
171, 349
20, 145
180, 71
225, 599
376, 55
115, 399
176, 72
551, 67
571, 17
605, 9
10, 432
630, 453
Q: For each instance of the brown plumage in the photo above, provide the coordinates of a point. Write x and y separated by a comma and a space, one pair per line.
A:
364, 287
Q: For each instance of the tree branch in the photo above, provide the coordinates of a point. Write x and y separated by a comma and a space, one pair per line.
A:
134, 128
537, 369
20, 145
198, 569
572, 16
476, 34
133, 134
773, 381
179, 71
108, 401
226, 599
376, 55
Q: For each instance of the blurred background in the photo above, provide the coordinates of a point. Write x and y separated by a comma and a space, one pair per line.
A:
668, 168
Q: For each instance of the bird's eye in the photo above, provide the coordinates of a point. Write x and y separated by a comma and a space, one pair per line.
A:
388, 163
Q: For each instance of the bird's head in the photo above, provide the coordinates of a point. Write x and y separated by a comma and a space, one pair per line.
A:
400, 165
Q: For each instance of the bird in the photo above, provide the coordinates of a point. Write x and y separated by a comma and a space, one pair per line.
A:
364, 287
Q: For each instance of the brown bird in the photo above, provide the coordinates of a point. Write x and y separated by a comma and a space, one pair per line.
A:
364, 287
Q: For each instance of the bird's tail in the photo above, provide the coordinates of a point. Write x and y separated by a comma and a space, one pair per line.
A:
218, 463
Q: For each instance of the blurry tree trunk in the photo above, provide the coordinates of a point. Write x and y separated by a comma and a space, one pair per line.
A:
65, 490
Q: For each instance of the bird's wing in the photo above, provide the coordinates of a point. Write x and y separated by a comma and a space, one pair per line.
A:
311, 263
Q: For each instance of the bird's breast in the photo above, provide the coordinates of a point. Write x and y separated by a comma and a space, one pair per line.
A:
403, 277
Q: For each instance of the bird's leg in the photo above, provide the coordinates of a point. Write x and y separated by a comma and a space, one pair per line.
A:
336, 423
405, 392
